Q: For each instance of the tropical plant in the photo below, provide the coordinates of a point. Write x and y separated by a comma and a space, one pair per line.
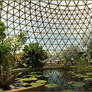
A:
89, 48
7, 77
82, 63
72, 54
33, 54
2, 31
65, 63
15, 42
8, 48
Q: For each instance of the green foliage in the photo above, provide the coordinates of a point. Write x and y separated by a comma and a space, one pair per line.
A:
15, 42
8, 47
2, 31
4, 51
89, 49
81, 63
72, 54
65, 63
33, 54
7, 77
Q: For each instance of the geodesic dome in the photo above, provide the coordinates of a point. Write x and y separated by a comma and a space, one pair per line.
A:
56, 25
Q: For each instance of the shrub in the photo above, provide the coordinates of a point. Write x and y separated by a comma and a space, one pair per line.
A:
33, 54
82, 63
65, 63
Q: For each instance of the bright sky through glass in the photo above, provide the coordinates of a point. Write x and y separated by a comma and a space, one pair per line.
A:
54, 24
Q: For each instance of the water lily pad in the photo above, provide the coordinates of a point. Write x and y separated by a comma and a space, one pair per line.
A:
41, 81
89, 73
80, 76
34, 75
11, 86
78, 84
71, 72
18, 79
35, 84
25, 84
29, 79
38, 76
51, 85
71, 82
87, 79
33, 72
68, 91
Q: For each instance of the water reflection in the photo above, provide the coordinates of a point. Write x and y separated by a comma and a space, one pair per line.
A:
57, 77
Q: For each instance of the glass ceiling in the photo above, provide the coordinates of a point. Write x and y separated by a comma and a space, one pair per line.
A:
56, 25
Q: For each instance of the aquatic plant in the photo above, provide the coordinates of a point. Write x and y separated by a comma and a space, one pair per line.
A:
29, 79
34, 75
41, 81
71, 72
51, 85
17, 78
89, 73
25, 84
71, 82
87, 79
80, 75
78, 84
33, 72
35, 84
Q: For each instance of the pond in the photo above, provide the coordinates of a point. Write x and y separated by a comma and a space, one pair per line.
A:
57, 80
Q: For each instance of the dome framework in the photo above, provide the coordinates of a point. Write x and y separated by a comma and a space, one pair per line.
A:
56, 25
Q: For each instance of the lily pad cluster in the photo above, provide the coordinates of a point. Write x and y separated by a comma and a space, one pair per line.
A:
34, 84
33, 81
